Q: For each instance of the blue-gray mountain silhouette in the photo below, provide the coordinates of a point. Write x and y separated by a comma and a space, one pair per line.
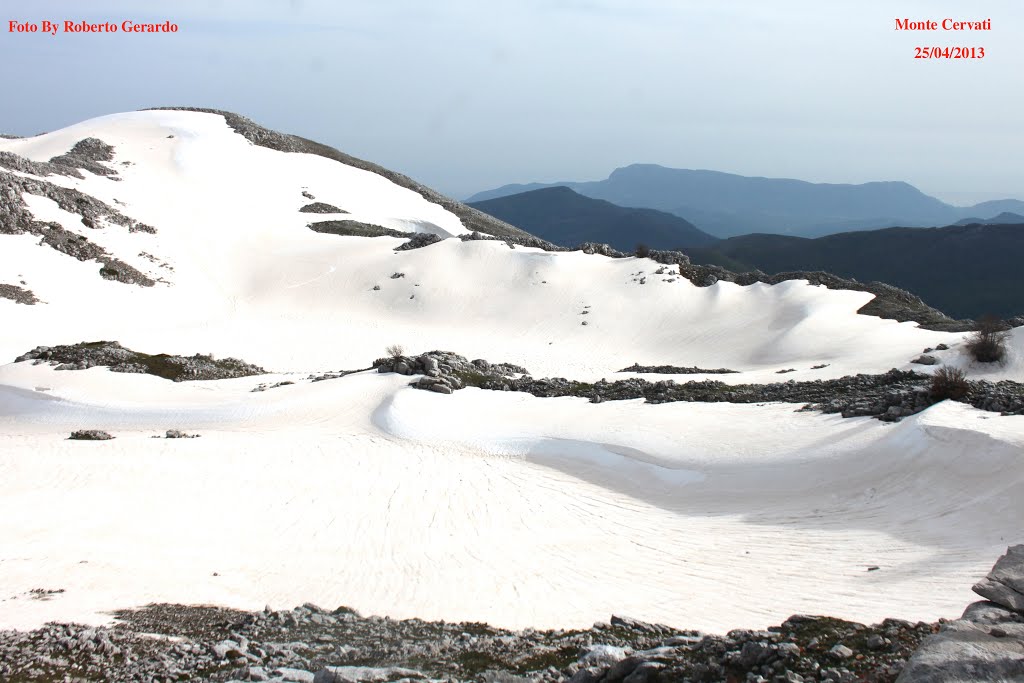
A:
726, 205
561, 216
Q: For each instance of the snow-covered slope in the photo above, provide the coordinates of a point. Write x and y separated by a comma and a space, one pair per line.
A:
479, 505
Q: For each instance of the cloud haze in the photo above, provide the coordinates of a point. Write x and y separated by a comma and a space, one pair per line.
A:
469, 95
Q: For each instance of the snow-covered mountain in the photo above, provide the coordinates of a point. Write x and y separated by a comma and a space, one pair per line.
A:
172, 232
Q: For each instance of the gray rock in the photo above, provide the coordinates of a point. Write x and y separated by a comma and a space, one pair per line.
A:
752, 654
985, 612
1004, 585
925, 359
634, 624
228, 649
644, 673
364, 674
90, 435
591, 674
603, 656
964, 652
320, 207
621, 669
503, 677
840, 651
875, 642
18, 294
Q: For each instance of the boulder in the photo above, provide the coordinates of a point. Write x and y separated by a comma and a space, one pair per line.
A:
90, 435
1004, 585
987, 642
603, 656
364, 674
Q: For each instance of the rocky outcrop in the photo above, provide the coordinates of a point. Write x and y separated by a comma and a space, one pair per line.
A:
321, 207
18, 295
444, 372
16, 218
987, 642
355, 229
677, 370
111, 354
88, 154
311, 644
1005, 583
90, 435
889, 396
178, 434
417, 240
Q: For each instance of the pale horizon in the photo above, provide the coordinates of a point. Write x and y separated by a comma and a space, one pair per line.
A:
467, 98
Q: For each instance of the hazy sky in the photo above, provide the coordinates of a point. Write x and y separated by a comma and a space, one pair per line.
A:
466, 95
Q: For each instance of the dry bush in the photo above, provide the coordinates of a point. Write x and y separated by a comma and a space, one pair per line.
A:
395, 351
987, 344
949, 382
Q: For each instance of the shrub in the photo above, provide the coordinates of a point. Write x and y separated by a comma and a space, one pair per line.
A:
395, 351
949, 382
642, 250
987, 344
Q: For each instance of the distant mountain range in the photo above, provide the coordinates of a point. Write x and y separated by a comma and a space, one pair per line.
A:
965, 271
726, 205
566, 218
1005, 218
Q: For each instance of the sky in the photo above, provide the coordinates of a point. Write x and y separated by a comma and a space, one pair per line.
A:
467, 95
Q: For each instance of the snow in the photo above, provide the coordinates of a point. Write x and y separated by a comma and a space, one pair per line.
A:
483, 506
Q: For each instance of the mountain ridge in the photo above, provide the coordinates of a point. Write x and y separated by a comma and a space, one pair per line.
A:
964, 270
727, 204
563, 216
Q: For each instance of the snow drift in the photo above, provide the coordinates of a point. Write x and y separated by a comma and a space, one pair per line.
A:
480, 505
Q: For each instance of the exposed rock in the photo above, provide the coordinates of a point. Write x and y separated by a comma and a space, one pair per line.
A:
419, 240
986, 644
355, 229
890, 396
840, 651
178, 434
604, 656
445, 372
1004, 585
364, 674
16, 219
925, 359
321, 207
111, 354
17, 294
677, 370
216, 644
87, 155
90, 435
